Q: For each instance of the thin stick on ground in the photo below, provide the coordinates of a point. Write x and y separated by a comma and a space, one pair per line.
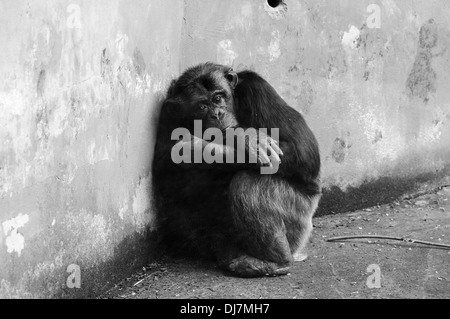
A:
146, 277
404, 239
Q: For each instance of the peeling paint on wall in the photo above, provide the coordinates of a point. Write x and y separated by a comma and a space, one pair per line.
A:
274, 47
225, 53
422, 79
15, 242
350, 38
391, 7
142, 216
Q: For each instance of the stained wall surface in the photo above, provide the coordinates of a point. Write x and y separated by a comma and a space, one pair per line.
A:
80, 86
81, 83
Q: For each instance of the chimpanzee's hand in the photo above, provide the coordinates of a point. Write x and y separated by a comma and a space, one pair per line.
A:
269, 152
264, 148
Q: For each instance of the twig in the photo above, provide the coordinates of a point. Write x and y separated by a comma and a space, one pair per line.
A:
146, 277
404, 239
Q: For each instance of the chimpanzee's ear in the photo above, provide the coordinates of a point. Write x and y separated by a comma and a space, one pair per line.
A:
171, 108
232, 78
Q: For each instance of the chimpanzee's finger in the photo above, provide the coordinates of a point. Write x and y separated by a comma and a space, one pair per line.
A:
274, 156
275, 146
264, 158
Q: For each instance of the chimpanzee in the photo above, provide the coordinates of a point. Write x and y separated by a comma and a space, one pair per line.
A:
253, 224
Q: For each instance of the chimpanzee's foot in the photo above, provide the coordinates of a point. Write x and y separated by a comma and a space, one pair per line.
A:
300, 255
246, 266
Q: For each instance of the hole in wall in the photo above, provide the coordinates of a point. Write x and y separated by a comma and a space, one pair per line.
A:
276, 9
274, 3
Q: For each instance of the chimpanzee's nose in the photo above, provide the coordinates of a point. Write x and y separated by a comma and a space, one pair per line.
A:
218, 114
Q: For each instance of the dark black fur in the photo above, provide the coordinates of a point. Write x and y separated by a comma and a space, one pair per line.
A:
252, 224
258, 105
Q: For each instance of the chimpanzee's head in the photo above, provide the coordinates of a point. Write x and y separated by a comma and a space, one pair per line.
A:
203, 92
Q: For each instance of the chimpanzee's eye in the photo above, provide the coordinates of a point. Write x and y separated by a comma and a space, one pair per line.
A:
217, 99
202, 107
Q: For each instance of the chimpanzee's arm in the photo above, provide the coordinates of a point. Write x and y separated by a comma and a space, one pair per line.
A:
256, 153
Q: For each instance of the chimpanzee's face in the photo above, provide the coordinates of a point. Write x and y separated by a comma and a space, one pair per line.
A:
210, 98
205, 95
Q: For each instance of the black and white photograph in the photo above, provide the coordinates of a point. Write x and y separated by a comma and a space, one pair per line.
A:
220, 157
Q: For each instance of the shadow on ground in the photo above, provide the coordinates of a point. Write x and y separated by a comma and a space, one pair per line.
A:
333, 270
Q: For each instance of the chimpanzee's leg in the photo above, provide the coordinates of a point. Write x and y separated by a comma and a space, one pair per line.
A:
262, 208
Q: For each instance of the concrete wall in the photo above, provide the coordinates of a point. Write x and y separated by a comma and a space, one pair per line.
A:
79, 88
81, 82
373, 86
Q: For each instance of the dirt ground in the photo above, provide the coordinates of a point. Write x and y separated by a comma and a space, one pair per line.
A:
334, 269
